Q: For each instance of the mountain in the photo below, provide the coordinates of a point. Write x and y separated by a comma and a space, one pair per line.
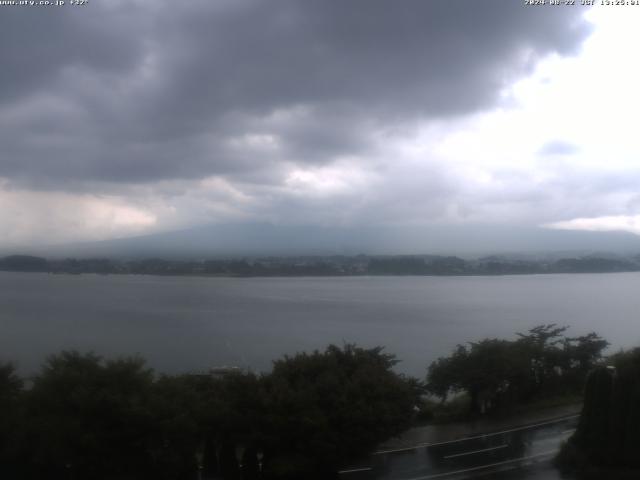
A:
263, 239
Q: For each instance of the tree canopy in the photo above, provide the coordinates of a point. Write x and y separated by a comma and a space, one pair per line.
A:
497, 372
327, 407
87, 417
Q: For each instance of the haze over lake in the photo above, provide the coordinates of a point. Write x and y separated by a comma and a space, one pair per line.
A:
192, 323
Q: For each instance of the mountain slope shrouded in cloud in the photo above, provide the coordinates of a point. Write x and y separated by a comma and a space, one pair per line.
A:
260, 239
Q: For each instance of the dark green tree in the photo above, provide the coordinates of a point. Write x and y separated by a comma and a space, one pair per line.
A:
584, 352
484, 370
326, 408
90, 419
11, 417
497, 373
86, 417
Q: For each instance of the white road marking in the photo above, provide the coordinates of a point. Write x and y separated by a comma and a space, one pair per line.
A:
476, 451
482, 467
354, 470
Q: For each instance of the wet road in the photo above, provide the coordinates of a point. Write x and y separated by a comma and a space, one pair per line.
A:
518, 453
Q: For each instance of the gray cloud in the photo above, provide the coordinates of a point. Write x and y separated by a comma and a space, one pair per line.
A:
37, 44
144, 92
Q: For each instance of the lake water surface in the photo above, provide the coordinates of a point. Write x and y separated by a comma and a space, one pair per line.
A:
191, 323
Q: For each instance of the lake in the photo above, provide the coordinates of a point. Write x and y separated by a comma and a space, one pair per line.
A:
192, 323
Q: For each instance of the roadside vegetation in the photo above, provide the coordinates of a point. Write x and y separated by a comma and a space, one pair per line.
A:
540, 367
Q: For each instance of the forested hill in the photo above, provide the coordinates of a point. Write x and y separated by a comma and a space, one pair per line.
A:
326, 265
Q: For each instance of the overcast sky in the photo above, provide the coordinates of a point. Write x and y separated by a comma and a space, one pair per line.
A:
127, 117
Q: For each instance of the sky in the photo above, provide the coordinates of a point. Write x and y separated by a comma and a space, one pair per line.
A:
122, 118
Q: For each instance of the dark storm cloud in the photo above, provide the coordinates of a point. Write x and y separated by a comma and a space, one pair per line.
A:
137, 91
37, 44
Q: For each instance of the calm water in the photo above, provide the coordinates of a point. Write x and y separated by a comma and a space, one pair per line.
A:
182, 324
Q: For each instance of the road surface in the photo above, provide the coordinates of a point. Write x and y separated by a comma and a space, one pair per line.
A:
517, 453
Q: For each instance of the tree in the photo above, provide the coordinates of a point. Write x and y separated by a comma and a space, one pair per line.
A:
235, 419
483, 370
326, 408
11, 390
608, 434
86, 417
90, 419
502, 372
585, 351
177, 428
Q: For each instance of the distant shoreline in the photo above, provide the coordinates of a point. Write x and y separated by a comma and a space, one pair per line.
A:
324, 266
